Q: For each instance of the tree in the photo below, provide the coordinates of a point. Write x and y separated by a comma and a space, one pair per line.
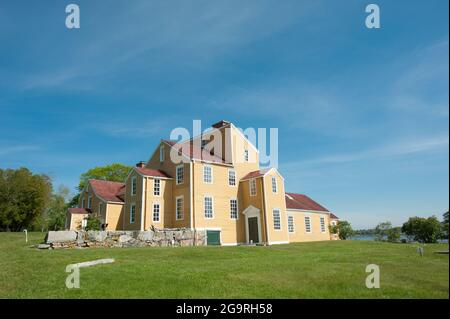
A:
424, 230
394, 234
445, 224
382, 230
343, 229
114, 172
23, 197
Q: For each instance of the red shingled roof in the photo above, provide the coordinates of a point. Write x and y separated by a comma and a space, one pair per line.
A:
333, 216
109, 191
151, 172
195, 152
303, 202
255, 174
76, 210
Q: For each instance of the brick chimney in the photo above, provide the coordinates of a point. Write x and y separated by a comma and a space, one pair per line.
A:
140, 164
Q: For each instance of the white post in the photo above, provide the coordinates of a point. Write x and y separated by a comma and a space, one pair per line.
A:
26, 235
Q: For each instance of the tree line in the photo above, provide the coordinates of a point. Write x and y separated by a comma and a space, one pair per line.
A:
420, 229
29, 200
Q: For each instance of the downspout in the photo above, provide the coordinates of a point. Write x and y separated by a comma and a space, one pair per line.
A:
144, 184
263, 191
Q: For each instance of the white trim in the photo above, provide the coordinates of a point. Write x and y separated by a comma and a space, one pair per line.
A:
229, 244
144, 186
272, 169
274, 179
153, 212
237, 208
131, 206
162, 153
324, 225
250, 212
250, 182
244, 137
176, 174
154, 181
133, 183
212, 206
266, 217
211, 173
235, 177
293, 223
310, 224
273, 218
176, 207
191, 195
106, 216
209, 228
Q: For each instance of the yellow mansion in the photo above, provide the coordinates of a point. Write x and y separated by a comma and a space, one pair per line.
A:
228, 195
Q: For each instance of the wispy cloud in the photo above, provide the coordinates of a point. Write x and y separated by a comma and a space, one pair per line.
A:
4, 151
438, 143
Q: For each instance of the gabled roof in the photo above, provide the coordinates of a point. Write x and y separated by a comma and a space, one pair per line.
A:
76, 210
333, 216
108, 191
256, 174
151, 172
303, 202
194, 152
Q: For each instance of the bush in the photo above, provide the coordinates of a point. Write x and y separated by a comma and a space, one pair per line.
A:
393, 235
424, 230
93, 223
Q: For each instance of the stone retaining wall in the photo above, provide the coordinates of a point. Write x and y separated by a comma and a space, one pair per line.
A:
148, 238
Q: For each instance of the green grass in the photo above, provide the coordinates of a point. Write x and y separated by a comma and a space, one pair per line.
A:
304, 270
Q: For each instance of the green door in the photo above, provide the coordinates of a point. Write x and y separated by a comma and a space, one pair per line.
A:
253, 235
213, 237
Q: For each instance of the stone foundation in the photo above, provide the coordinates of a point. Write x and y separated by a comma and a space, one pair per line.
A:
148, 238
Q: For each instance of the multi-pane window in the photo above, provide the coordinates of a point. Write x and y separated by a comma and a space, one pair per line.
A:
276, 219
252, 183
156, 187
89, 205
232, 177
322, 224
132, 213
274, 185
180, 174
179, 208
307, 224
207, 174
291, 228
156, 211
161, 154
133, 185
208, 203
233, 209
246, 155
100, 206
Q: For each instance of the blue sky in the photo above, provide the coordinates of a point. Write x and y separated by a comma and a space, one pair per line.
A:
362, 114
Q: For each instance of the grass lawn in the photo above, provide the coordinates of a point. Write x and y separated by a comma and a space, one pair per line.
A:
303, 270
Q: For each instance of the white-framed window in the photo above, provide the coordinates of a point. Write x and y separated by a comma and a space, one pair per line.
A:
100, 207
246, 155
132, 213
180, 174
291, 227
208, 207
252, 185
156, 212
276, 219
161, 153
232, 177
204, 142
307, 224
133, 185
207, 174
233, 208
89, 203
179, 212
156, 187
322, 225
274, 185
